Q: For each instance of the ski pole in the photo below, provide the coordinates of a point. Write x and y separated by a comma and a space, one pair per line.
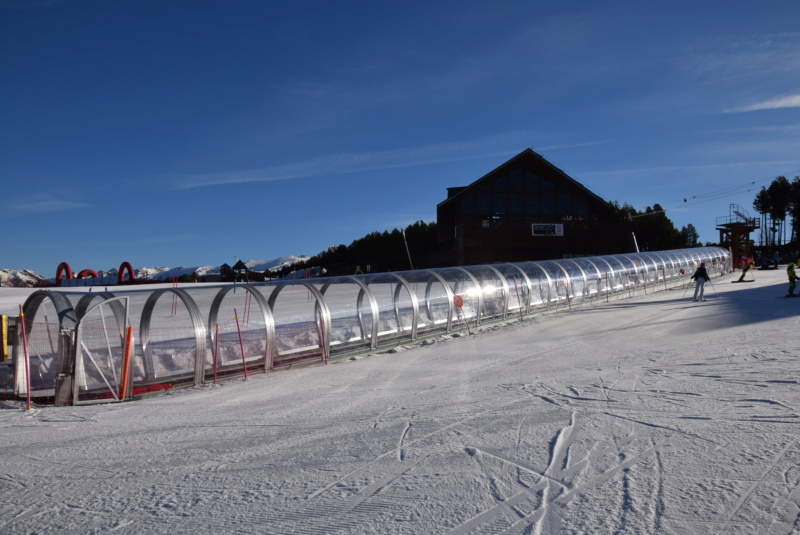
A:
713, 287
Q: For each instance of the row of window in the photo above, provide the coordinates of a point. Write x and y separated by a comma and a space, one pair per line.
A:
523, 205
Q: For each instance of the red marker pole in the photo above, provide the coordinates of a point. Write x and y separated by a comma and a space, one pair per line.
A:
459, 302
241, 344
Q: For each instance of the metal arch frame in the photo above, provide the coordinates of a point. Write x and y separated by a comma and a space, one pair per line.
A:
505, 289
319, 306
590, 261
599, 273
504, 286
640, 269
673, 269
583, 273
197, 323
66, 313
655, 258
627, 270
269, 322
450, 295
552, 283
617, 274
114, 304
549, 284
414, 305
373, 305
67, 322
527, 285
120, 312
477, 288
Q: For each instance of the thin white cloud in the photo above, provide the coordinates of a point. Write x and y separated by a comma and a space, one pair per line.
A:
790, 101
690, 168
48, 206
340, 164
28, 4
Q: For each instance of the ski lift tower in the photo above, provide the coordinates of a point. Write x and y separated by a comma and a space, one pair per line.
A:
734, 233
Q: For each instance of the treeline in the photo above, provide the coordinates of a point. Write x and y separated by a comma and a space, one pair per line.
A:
654, 231
376, 252
777, 203
386, 251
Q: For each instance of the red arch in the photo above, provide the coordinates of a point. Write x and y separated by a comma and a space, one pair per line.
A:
63, 267
122, 268
86, 273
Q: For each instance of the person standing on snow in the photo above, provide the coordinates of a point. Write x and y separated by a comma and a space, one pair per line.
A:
700, 276
792, 279
745, 269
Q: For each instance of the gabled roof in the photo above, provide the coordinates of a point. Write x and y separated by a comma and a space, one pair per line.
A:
529, 155
239, 266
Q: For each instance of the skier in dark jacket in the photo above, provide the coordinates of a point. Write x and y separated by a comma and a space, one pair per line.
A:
792, 279
700, 277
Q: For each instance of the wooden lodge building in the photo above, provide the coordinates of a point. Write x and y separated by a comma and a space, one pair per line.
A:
527, 209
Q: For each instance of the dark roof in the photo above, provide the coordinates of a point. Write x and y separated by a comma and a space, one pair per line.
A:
527, 154
239, 266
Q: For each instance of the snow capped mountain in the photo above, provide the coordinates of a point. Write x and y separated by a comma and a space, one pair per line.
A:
25, 277
20, 278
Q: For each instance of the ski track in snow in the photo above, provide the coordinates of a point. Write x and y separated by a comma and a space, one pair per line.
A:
647, 415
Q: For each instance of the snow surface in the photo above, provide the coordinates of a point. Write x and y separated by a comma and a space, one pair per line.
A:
655, 414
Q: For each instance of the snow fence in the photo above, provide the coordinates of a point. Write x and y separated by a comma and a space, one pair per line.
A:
79, 347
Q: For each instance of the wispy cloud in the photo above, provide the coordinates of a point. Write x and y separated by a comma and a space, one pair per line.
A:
48, 206
28, 4
339, 164
790, 101
639, 172
344, 163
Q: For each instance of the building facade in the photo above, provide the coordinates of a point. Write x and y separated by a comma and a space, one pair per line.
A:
527, 209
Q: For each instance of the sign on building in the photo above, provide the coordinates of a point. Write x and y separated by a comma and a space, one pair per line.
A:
548, 229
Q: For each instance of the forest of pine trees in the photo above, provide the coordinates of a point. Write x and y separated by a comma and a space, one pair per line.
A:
776, 204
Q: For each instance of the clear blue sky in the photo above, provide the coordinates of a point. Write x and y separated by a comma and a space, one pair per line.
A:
183, 133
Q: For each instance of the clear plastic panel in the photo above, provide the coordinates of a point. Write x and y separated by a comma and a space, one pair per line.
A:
396, 304
299, 324
178, 333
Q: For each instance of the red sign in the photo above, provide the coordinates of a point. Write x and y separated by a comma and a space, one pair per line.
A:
458, 301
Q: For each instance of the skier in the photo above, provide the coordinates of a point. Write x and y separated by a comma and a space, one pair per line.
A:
700, 276
745, 269
792, 279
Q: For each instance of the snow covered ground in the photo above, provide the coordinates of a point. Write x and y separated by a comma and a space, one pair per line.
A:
655, 414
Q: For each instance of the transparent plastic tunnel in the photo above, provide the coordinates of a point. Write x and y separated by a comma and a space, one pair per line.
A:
90, 347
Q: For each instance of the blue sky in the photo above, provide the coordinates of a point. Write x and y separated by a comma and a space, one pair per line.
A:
183, 133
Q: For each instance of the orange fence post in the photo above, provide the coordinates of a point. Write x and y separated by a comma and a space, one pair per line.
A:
126, 364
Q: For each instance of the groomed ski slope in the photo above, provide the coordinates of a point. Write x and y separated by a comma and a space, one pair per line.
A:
655, 414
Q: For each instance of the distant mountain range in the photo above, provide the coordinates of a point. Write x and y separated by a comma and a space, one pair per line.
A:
26, 277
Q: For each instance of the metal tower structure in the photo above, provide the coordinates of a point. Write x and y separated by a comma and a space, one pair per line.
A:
734, 233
